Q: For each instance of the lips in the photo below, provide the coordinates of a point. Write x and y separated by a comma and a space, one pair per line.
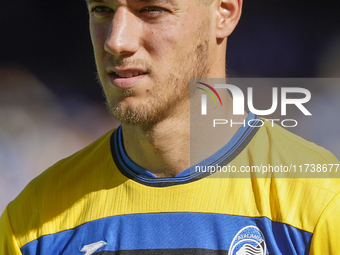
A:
126, 78
129, 74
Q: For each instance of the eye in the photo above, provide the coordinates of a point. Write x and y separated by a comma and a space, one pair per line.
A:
153, 10
101, 10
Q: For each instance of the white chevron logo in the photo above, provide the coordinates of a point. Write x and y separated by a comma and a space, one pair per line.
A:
91, 248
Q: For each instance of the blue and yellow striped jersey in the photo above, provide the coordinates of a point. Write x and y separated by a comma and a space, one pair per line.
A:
98, 201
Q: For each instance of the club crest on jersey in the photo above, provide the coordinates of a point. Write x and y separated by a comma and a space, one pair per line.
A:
248, 241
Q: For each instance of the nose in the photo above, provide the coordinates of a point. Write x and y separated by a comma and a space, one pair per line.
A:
123, 37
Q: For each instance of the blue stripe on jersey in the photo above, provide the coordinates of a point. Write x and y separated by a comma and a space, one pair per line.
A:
170, 231
218, 157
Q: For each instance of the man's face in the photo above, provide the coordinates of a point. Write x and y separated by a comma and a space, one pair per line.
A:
146, 52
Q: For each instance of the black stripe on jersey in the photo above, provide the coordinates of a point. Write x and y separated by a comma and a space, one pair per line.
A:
177, 180
165, 252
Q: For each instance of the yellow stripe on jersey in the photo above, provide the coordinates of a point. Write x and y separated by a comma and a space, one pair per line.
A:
88, 186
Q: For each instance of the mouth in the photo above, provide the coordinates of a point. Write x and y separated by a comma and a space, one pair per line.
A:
126, 79
129, 74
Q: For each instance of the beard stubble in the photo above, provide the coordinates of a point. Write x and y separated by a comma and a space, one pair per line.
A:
160, 105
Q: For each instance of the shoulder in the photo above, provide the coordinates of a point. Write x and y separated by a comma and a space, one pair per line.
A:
72, 168
284, 145
304, 178
292, 159
40, 205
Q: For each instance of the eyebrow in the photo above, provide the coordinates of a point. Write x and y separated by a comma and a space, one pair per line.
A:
172, 2
88, 2
153, 1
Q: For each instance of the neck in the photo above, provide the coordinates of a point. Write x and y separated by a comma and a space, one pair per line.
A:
164, 148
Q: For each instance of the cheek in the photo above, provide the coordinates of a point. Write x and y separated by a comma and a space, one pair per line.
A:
162, 48
158, 38
169, 39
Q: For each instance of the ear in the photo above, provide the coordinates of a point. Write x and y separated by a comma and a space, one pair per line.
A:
228, 15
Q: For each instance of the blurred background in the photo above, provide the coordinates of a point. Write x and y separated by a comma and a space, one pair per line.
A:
51, 105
